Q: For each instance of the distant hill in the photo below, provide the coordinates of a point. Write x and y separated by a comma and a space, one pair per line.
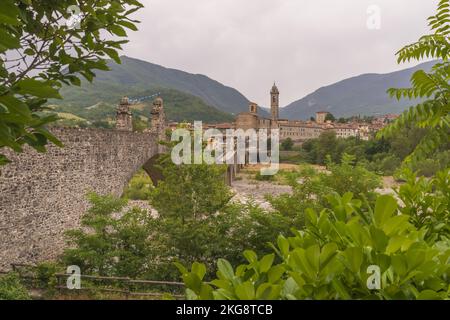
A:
364, 95
98, 102
197, 94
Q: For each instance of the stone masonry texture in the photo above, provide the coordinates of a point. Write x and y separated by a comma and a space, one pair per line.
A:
44, 194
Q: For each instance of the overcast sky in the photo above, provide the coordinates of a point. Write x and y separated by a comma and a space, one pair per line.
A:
300, 44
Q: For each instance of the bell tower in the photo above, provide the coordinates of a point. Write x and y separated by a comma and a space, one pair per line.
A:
274, 102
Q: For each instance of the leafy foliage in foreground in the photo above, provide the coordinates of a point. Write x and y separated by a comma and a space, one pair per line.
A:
427, 202
39, 53
330, 257
432, 87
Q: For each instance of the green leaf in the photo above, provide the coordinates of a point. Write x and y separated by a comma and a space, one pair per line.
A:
128, 25
9, 13
399, 264
396, 225
223, 284
340, 289
384, 209
266, 263
29, 52
180, 267
250, 256
275, 273
329, 251
15, 106
415, 258
290, 287
429, 295
354, 258
37, 88
3, 161
379, 238
113, 54
283, 245
245, 291
311, 216
206, 292
191, 295
8, 41
199, 269
313, 256
267, 291
50, 136
192, 281
118, 30
225, 269
395, 243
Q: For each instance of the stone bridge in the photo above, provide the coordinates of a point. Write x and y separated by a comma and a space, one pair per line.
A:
44, 194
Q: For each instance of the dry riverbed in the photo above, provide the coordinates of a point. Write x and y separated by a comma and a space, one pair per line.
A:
247, 188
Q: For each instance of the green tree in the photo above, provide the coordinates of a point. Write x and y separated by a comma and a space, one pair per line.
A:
190, 192
431, 87
405, 141
111, 241
326, 145
39, 53
330, 117
287, 144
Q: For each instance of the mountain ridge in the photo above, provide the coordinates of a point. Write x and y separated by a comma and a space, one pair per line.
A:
203, 98
365, 94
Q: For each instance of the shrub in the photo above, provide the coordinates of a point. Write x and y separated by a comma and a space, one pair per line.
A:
287, 144
11, 288
390, 165
427, 202
45, 273
139, 188
109, 245
332, 258
350, 176
260, 177
384, 164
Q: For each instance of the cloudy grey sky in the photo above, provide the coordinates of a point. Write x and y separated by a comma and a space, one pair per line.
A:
301, 44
